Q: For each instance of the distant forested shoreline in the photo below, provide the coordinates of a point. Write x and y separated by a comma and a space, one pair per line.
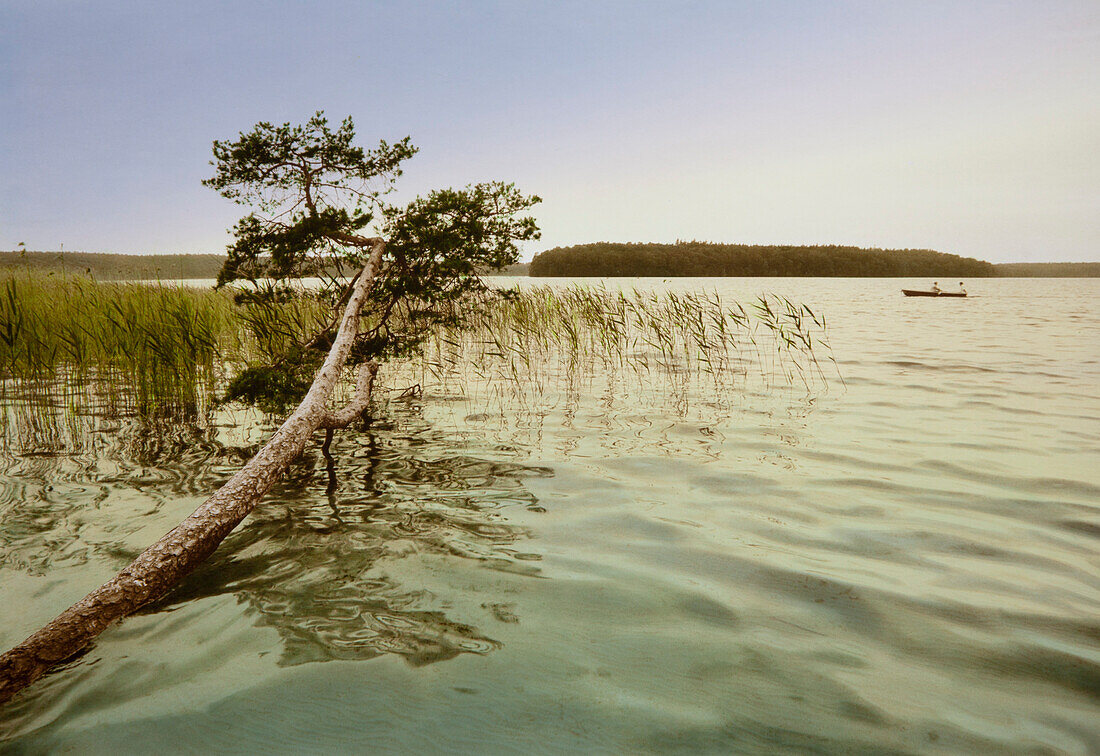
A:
608, 259
1049, 270
105, 266
113, 267
611, 259
708, 259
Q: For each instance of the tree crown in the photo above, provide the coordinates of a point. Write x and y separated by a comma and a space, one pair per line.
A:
318, 209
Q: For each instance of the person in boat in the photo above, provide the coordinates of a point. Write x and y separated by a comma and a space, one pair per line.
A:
936, 287
962, 290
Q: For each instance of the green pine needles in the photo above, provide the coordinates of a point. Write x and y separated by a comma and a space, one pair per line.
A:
318, 209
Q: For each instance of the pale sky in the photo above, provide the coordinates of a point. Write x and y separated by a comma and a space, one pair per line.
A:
966, 127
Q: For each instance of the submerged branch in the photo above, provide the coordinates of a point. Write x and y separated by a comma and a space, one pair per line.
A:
364, 387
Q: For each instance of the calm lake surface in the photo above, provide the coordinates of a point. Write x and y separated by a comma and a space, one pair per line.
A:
906, 559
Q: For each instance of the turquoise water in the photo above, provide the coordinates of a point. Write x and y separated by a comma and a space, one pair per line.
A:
902, 560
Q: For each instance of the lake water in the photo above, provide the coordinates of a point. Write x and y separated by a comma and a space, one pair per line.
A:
905, 560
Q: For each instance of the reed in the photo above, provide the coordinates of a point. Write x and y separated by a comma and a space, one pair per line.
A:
534, 341
76, 346
148, 349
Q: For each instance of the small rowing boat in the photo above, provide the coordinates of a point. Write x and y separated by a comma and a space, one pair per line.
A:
920, 293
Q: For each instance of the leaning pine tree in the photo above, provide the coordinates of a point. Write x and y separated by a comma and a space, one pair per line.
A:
390, 273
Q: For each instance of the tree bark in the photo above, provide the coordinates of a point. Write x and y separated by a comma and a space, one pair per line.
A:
161, 566
364, 387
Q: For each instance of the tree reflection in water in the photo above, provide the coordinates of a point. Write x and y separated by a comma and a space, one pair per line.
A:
312, 561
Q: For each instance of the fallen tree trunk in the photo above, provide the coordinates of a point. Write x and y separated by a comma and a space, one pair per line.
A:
161, 566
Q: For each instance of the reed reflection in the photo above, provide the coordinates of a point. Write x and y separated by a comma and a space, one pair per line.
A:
73, 486
321, 561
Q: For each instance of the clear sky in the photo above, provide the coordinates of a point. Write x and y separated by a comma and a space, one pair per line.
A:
966, 127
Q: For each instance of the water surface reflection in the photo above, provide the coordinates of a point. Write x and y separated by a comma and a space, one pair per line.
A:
338, 560
315, 562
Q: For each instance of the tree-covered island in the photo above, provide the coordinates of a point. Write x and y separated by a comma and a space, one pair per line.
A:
709, 259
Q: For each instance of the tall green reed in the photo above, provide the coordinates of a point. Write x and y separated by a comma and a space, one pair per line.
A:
146, 349
162, 351
535, 341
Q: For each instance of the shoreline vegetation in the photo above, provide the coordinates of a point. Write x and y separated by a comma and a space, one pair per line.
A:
607, 259
743, 260
707, 259
105, 266
162, 352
